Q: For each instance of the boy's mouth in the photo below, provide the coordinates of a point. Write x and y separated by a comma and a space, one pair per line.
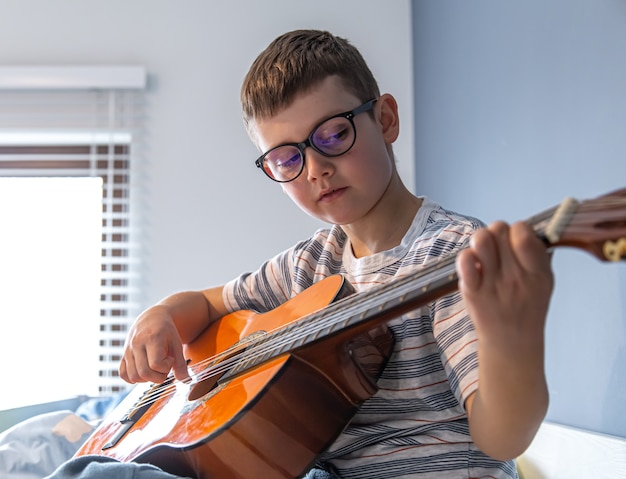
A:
331, 194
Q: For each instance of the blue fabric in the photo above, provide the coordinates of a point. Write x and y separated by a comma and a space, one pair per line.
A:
36, 446
318, 474
99, 467
94, 409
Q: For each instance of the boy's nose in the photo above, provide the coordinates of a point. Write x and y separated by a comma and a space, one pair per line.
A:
317, 165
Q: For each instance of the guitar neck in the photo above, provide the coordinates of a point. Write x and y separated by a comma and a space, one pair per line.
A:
364, 311
370, 308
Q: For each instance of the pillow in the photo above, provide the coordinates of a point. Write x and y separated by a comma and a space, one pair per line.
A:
94, 409
37, 446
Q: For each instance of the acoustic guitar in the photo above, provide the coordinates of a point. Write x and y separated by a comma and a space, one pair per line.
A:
269, 392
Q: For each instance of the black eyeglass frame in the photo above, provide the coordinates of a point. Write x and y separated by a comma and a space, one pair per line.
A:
348, 115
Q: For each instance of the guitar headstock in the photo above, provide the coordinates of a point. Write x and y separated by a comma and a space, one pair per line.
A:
596, 225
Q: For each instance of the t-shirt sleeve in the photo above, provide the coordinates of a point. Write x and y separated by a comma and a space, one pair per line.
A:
458, 346
453, 328
283, 276
262, 290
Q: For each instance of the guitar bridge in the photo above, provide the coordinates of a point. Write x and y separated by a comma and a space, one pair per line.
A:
139, 409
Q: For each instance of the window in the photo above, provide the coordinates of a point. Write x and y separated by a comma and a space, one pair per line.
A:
50, 286
80, 124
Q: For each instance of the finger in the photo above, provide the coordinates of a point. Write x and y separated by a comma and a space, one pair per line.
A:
162, 360
469, 271
501, 235
123, 371
178, 363
531, 251
128, 370
485, 256
157, 364
138, 369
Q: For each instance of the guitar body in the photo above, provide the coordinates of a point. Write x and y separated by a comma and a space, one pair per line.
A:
270, 392
270, 422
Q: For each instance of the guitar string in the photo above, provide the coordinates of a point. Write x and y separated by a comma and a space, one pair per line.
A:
310, 324
616, 201
224, 366
269, 344
206, 369
159, 391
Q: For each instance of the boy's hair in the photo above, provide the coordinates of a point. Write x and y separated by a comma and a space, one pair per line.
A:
297, 61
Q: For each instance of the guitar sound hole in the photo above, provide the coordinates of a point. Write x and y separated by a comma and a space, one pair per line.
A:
204, 387
211, 383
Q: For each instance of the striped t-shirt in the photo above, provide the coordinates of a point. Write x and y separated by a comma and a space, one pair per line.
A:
415, 426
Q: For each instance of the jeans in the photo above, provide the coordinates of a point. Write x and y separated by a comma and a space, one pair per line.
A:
98, 467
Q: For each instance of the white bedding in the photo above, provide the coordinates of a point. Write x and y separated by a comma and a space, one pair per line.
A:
35, 447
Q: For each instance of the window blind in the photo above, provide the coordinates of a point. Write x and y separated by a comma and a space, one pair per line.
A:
90, 130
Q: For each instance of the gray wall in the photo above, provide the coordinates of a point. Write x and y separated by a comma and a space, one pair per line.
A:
205, 212
518, 105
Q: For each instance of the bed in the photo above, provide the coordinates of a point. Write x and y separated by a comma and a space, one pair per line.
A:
36, 439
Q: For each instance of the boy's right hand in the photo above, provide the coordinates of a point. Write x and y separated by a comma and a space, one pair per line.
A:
153, 349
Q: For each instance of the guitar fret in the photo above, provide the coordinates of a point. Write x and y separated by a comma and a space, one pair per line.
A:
362, 307
597, 226
317, 334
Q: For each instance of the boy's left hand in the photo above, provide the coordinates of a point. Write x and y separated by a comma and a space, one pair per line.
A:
506, 279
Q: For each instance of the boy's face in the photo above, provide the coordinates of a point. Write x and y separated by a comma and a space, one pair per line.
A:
343, 189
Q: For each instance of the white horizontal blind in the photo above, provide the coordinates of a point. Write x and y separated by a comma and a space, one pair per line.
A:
85, 133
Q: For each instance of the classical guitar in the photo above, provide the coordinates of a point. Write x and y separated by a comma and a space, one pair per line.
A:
269, 392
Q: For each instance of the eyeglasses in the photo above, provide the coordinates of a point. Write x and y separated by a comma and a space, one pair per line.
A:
332, 137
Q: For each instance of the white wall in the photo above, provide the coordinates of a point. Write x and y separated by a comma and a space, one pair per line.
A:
518, 105
206, 212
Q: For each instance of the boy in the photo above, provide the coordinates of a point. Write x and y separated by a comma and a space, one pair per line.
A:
464, 390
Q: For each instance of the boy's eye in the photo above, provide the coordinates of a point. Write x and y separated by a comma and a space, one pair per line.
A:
288, 162
285, 158
332, 136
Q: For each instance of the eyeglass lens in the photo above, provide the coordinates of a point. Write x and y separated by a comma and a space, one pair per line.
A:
332, 138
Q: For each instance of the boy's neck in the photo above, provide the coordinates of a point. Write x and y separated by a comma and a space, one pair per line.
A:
386, 224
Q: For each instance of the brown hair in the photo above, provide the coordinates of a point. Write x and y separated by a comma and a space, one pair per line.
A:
296, 62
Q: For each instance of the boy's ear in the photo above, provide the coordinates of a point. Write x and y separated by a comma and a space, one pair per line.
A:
388, 117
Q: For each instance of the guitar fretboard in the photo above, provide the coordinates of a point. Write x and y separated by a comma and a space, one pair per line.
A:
390, 300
